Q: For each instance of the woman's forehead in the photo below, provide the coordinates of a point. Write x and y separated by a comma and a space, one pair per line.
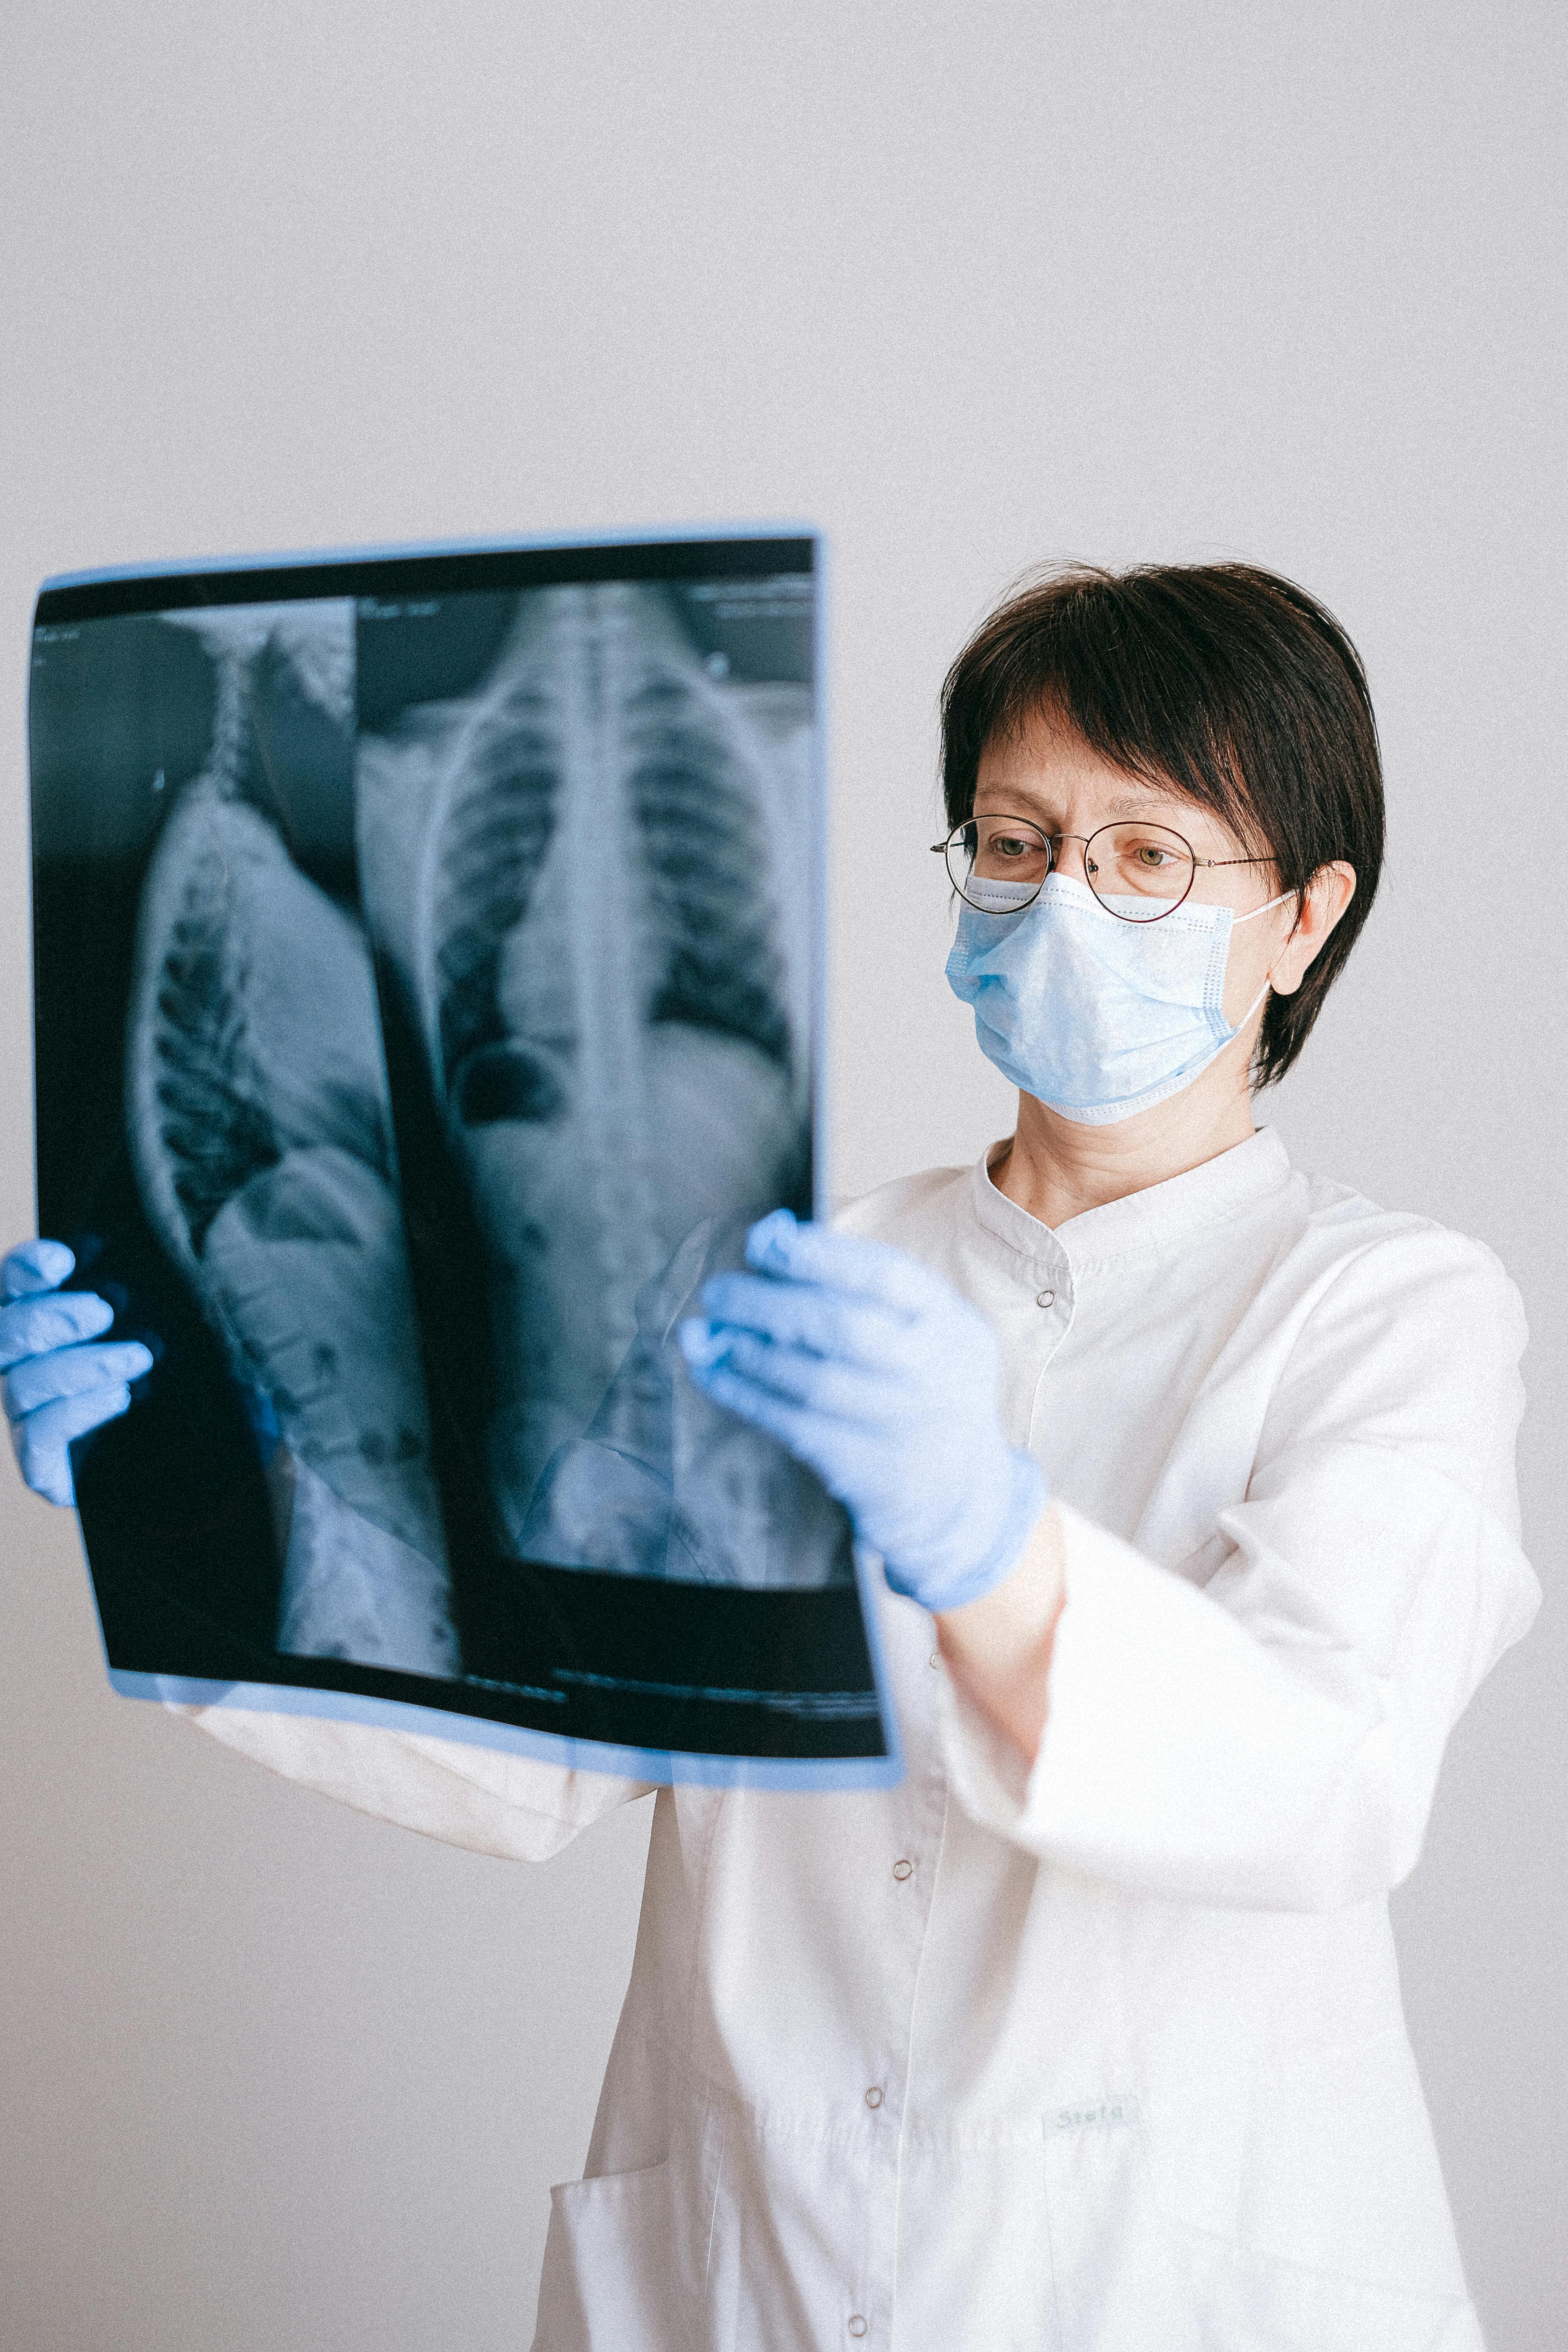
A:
1044, 768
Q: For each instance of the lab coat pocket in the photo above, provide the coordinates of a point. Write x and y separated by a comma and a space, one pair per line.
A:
1307, 2199
1118, 2284
609, 2278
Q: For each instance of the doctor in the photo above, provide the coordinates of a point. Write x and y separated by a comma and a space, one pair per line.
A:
1193, 1479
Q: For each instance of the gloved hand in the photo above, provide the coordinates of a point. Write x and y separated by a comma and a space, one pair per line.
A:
873, 1369
54, 1386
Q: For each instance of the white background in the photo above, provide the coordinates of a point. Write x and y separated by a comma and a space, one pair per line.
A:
969, 286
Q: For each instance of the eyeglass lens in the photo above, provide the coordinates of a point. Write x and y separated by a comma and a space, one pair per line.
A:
1137, 871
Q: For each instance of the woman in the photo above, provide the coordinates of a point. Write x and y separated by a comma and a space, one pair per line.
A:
1088, 2034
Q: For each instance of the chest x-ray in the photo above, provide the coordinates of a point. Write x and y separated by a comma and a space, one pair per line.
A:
426, 957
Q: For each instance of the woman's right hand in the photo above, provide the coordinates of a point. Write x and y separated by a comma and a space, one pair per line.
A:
55, 1382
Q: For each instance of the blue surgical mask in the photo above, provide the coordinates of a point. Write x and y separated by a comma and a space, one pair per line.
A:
1097, 1018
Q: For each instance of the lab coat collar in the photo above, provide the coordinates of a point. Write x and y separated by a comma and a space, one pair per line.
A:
1142, 1224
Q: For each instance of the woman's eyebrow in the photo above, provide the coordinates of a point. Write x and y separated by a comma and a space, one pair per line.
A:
1134, 804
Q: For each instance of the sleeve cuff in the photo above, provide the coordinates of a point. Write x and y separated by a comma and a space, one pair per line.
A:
1182, 1758
513, 1807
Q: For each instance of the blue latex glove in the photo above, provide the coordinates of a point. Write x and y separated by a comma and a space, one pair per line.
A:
873, 1369
57, 1385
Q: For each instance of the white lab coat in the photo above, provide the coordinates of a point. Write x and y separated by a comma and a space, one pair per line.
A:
1106, 2056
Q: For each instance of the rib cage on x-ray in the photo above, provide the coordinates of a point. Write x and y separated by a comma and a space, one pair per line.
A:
260, 1132
579, 874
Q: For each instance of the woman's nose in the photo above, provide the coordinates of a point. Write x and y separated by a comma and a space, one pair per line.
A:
1068, 855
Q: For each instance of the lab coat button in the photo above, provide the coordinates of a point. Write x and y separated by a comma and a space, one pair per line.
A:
857, 2325
934, 1659
903, 1869
873, 2096
1045, 1298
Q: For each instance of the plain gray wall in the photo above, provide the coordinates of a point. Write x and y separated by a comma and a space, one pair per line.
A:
969, 287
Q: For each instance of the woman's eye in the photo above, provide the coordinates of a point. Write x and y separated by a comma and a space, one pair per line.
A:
1009, 845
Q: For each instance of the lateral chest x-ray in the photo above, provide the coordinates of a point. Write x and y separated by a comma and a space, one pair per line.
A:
426, 951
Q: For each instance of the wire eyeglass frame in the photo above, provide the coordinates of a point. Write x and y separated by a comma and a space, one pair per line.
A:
943, 848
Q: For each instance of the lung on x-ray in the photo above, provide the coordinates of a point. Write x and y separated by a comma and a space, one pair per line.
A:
427, 950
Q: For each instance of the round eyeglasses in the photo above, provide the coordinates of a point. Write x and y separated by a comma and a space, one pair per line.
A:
1138, 872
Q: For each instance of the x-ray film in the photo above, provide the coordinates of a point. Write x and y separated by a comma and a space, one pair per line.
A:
426, 951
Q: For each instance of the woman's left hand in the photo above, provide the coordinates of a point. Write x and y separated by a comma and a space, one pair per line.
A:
872, 1370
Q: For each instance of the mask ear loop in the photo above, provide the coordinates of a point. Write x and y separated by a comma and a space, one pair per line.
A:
1278, 900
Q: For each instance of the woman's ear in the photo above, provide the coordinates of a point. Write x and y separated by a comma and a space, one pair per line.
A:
1323, 901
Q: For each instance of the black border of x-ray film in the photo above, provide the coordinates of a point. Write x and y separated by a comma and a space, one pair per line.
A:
664, 1681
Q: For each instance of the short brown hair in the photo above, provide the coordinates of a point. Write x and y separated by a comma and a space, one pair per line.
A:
1222, 679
